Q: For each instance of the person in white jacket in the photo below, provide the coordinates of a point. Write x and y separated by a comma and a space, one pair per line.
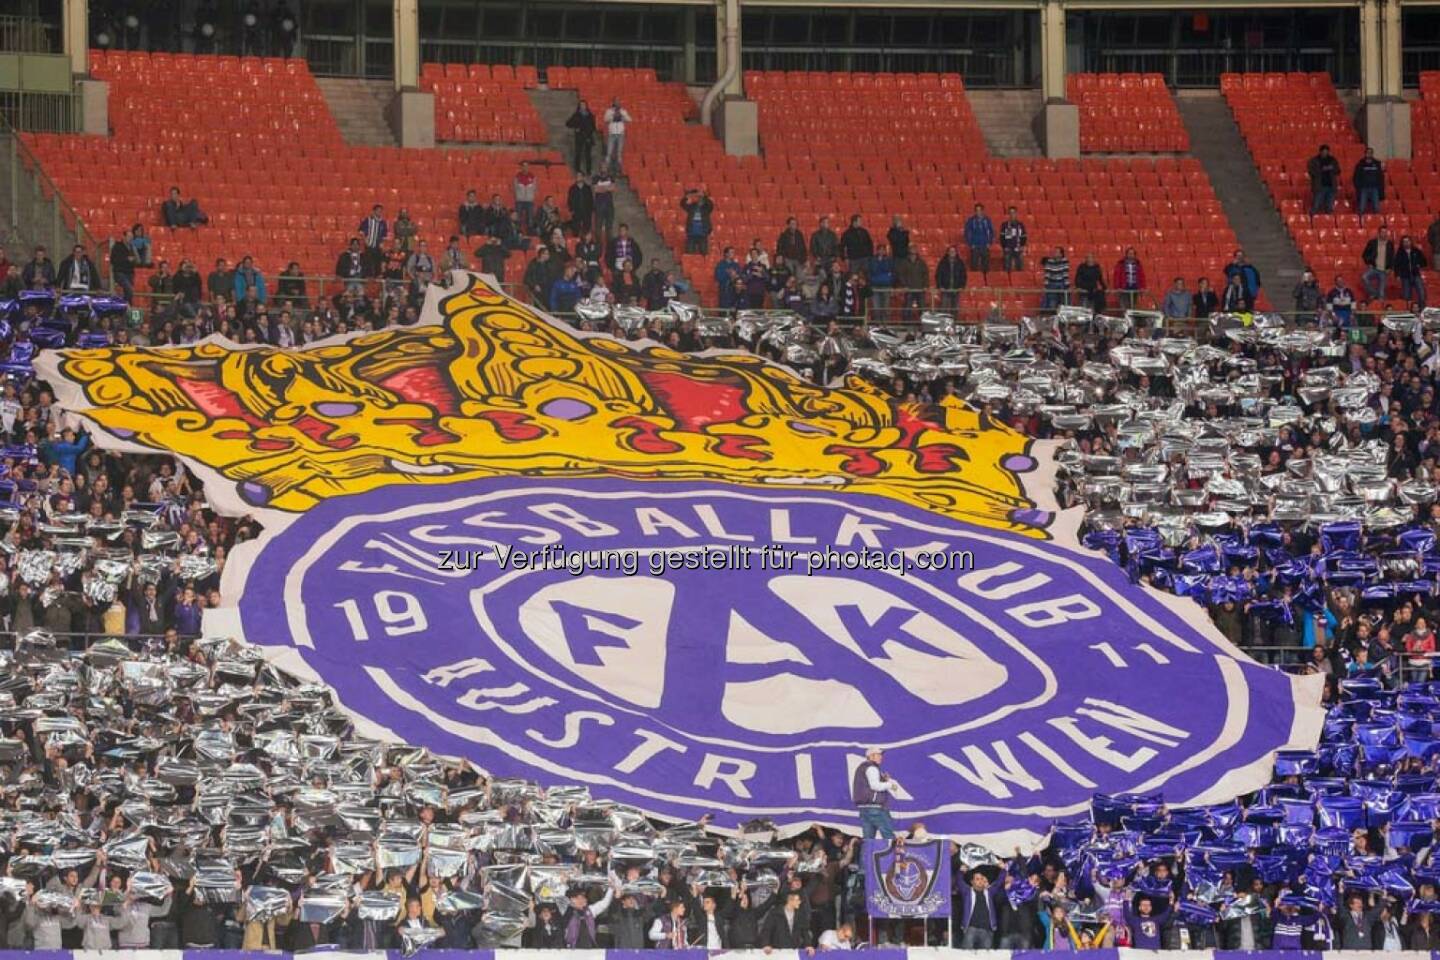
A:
97, 926
46, 926
616, 117
133, 929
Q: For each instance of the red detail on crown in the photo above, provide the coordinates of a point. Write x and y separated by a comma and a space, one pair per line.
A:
739, 446
513, 425
696, 403
644, 436
425, 385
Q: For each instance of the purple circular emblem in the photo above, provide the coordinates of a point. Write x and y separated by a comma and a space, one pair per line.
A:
693, 648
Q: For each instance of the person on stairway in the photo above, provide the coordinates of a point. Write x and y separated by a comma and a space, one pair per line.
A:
582, 122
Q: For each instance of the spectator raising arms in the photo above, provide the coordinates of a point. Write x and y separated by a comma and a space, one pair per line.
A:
617, 119
698, 207
1324, 171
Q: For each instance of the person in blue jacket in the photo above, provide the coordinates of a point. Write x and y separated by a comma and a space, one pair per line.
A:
725, 273
882, 278
1249, 278
248, 275
566, 291
979, 235
65, 452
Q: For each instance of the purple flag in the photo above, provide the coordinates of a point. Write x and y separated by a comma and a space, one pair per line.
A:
907, 879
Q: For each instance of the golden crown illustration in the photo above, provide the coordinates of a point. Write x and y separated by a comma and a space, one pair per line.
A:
495, 389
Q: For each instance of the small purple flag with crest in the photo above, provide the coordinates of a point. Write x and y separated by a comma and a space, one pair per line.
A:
907, 879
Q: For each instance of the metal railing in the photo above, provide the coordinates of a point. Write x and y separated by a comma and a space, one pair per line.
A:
894, 307
28, 35
1405, 667
40, 112
31, 205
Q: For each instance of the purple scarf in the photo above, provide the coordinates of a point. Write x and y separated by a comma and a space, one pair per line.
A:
572, 926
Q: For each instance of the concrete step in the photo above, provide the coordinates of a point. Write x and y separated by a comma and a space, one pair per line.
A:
358, 107
555, 107
1216, 142
1007, 119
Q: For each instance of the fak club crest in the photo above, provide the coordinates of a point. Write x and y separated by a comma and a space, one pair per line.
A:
907, 879
688, 584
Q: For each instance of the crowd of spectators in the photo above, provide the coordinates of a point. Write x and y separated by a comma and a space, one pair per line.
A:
1285, 481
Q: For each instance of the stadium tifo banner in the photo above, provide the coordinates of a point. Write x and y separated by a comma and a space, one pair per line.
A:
907, 879
694, 584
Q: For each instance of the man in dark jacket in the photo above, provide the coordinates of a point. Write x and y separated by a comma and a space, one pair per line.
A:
1090, 281
1324, 171
697, 206
1379, 257
1410, 270
39, 272
950, 278
899, 239
471, 216
182, 213
547, 934
628, 924
979, 914
914, 278
824, 245
539, 277
77, 271
1019, 925
1356, 924
220, 285
1308, 295
122, 266
187, 282
857, 246
790, 245
623, 247
582, 122
709, 926
786, 927
745, 920
350, 265
581, 202
1369, 179
1013, 239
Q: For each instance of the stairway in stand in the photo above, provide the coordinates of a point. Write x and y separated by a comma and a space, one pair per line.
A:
358, 107
1216, 142
555, 107
1007, 118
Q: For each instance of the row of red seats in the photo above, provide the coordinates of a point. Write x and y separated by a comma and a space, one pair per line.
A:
1126, 113
274, 197
478, 103
1284, 118
818, 158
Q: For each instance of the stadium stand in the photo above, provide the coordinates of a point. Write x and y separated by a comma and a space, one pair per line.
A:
481, 103
239, 157
924, 158
1285, 118
1126, 113
1425, 119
